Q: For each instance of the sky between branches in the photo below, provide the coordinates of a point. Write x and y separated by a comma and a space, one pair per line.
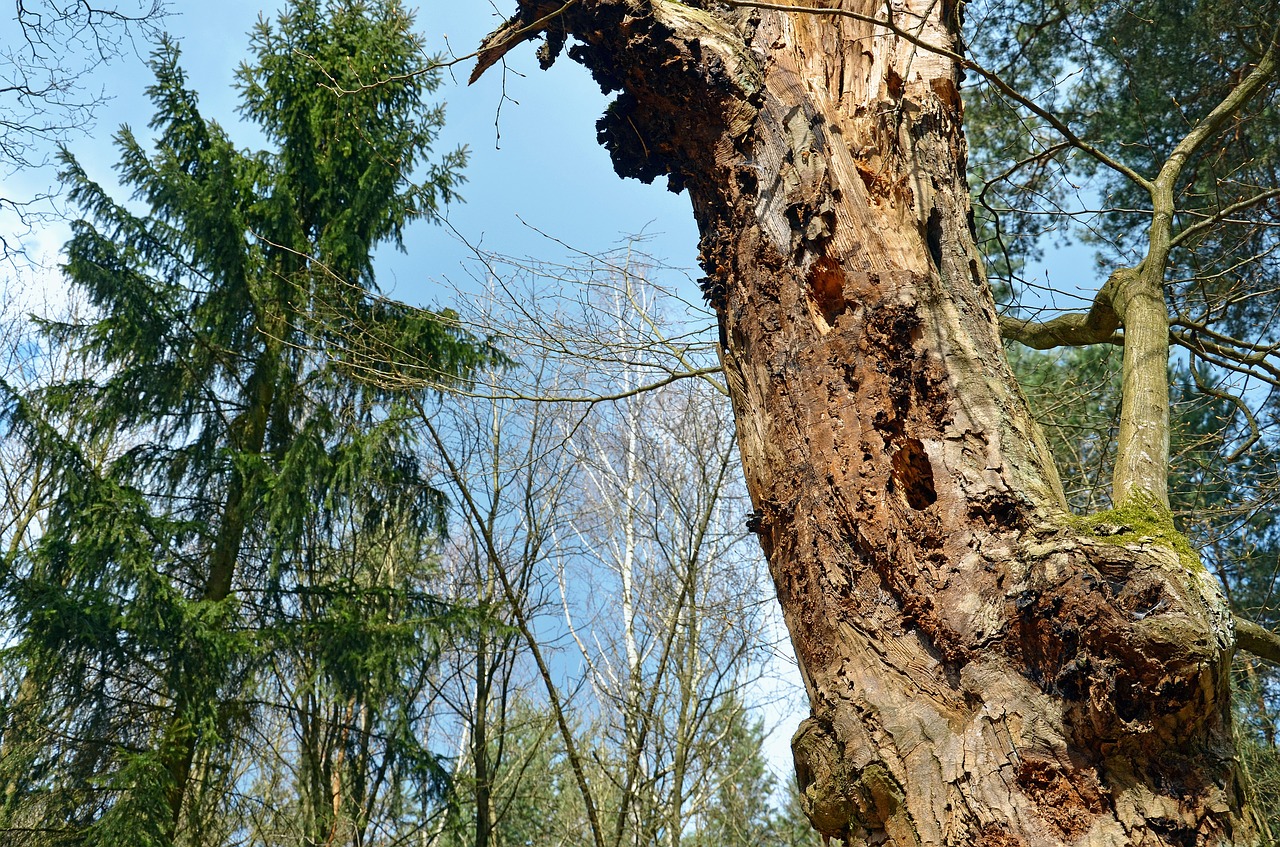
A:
535, 172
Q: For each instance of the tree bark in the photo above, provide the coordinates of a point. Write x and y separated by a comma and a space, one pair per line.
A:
981, 669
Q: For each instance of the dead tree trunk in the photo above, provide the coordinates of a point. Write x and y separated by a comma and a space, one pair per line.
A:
981, 669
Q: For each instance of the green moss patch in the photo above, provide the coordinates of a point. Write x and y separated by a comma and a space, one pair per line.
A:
1137, 521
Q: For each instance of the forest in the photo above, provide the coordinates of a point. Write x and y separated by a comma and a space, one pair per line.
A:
285, 560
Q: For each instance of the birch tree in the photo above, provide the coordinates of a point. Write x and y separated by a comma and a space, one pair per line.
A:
598, 522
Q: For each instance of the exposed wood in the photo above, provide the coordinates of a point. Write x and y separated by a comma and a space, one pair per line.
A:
981, 669
529, 23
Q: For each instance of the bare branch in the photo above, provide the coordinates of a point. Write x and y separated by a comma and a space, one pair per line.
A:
1255, 352
1208, 126
531, 640
1226, 359
1204, 347
1223, 214
1097, 326
1255, 433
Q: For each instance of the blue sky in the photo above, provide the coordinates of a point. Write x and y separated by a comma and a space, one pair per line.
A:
535, 164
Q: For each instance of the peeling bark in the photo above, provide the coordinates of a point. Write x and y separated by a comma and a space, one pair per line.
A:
981, 669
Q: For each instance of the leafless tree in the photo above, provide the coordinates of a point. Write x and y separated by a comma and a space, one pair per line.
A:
620, 507
48, 95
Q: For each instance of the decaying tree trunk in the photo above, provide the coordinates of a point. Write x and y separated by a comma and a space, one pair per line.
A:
982, 670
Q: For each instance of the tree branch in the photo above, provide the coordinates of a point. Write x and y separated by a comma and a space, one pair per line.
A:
513, 601
1205, 347
1255, 433
1257, 639
1097, 326
1212, 122
1071, 330
1222, 214
1254, 353
514, 32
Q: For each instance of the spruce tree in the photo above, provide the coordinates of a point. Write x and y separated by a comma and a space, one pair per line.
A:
255, 553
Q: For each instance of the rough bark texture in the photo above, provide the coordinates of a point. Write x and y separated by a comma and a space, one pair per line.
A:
981, 670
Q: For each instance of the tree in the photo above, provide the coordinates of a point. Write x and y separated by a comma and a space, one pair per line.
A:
27, 492
742, 812
263, 529
983, 667
507, 481
1137, 69
24, 361
1222, 504
608, 526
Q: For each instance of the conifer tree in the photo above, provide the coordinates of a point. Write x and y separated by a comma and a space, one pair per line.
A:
254, 557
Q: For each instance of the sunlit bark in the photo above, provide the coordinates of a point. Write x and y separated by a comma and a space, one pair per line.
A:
981, 669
